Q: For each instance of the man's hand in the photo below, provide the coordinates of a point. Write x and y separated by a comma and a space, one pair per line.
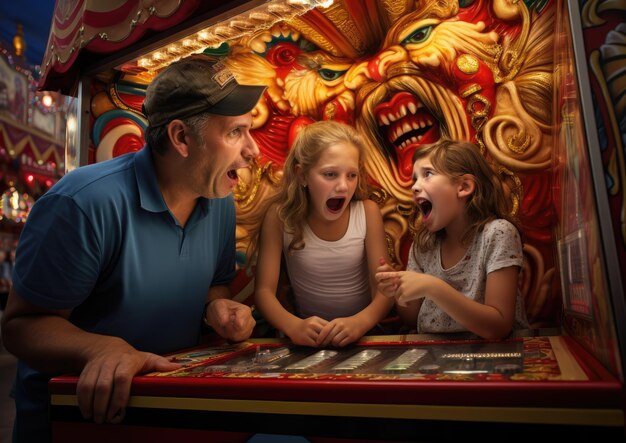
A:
103, 389
230, 319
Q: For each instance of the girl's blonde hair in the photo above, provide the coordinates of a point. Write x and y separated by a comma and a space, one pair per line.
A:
455, 158
308, 147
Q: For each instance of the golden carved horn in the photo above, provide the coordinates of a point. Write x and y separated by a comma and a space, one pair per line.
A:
350, 28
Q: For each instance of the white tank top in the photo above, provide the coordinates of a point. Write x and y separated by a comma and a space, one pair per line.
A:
330, 279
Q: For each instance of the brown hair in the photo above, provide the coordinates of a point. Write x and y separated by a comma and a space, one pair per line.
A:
308, 147
455, 158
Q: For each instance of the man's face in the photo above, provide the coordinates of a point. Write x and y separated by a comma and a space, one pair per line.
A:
223, 145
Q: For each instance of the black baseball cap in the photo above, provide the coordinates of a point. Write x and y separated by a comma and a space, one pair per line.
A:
195, 84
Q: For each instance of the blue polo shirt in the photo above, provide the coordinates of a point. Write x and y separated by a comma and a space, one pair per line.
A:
103, 243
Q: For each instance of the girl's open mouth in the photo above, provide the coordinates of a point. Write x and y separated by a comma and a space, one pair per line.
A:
335, 204
425, 207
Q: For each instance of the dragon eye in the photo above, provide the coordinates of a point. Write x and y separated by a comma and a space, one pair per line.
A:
466, 3
419, 36
330, 74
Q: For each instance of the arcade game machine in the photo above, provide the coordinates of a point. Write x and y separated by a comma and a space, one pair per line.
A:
536, 84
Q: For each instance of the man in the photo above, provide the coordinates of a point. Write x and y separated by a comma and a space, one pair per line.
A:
118, 259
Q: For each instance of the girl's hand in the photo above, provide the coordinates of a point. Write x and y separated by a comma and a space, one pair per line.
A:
306, 331
406, 285
340, 332
387, 286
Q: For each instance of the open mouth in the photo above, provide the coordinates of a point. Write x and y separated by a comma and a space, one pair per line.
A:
232, 174
335, 204
425, 207
404, 120
405, 124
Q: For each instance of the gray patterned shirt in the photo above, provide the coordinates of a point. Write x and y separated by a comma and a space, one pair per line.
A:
497, 246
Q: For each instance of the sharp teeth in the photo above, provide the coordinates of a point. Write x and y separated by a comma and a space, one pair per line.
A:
422, 124
398, 133
430, 122
402, 111
414, 140
392, 117
412, 107
420, 137
384, 119
406, 128
415, 126
258, 46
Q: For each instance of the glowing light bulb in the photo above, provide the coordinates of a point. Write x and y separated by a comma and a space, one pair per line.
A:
46, 100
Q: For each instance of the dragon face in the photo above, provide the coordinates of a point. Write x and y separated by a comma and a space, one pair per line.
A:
412, 91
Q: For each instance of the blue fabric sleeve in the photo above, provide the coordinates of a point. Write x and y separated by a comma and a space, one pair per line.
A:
57, 259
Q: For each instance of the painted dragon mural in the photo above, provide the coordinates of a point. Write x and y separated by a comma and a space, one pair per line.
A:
405, 74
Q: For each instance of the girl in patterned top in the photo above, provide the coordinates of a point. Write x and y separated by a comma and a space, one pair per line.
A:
463, 268
330, 237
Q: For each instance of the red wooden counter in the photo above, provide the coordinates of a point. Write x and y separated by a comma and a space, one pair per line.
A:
386, 388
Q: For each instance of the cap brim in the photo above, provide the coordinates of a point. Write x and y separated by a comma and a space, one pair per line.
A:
240, 101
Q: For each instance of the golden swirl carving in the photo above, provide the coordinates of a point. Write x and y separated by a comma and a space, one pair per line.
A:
513, 137
499, 135
518, 143
479, 116
478, 112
